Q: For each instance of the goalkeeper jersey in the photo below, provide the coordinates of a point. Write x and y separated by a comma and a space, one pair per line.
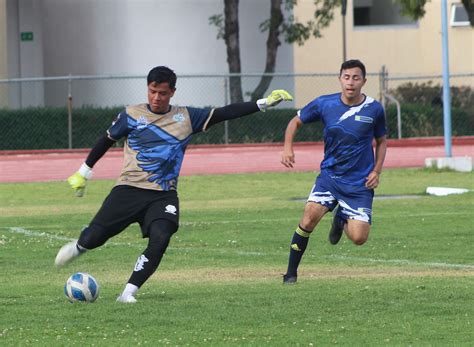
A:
348, 134
155, 143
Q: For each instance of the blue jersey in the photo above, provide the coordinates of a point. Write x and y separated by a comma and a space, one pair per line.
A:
348, 135
155, 143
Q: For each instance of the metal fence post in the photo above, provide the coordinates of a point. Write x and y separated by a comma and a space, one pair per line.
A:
382, 86
69, 112
399, 113
226, 101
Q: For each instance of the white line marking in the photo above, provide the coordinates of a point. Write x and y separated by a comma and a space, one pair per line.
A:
18, 230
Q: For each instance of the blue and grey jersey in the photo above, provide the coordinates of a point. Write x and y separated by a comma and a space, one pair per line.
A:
155, 143
348, 134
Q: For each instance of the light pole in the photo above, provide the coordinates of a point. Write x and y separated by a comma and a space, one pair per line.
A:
446, 87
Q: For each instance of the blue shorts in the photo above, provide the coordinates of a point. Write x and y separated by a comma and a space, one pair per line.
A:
355, 202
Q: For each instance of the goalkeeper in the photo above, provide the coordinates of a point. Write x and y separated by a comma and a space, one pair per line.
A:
156, 136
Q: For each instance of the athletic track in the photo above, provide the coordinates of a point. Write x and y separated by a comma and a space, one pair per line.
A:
44, 165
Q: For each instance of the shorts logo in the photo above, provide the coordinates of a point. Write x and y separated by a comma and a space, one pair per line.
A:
171, 209
365, 210
364, 119
178, 117
142, 122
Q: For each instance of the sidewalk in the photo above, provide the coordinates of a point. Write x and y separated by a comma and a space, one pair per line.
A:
39, 166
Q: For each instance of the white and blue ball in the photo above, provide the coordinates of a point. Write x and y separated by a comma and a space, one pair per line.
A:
81, 287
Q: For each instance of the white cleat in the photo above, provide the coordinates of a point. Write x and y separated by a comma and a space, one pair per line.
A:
66, 254
129, 299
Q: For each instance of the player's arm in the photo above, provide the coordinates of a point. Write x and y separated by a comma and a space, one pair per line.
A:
78, 180
380, 150
241, 109
288, 155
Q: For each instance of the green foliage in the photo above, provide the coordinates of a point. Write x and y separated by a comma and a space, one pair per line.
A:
295, 31
259, 128
422, 110
218, 21
414, 9
429, 94
420, 120
220, 280
47, 127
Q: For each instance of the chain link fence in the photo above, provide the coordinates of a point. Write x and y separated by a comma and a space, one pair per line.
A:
74, 111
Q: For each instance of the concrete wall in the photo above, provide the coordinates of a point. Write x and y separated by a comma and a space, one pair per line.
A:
23, 58
3, 52
3, 39
404, 50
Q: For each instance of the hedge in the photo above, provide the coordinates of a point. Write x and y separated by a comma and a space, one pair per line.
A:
47, 128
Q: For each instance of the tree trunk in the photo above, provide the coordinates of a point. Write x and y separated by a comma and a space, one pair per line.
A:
231, 37
273, 42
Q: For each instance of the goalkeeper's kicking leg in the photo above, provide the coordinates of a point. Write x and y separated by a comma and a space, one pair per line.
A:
91, 237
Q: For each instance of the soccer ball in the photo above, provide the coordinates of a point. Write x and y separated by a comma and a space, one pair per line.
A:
81, 287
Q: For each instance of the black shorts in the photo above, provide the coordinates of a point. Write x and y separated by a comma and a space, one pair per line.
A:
126, 205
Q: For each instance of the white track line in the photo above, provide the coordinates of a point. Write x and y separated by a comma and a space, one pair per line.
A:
31, 233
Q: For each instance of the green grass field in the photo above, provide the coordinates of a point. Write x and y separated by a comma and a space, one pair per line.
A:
220, 280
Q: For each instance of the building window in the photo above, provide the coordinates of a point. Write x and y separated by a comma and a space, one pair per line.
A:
459, 17
377, 13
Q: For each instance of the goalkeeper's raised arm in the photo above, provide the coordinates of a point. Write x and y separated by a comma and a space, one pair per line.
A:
241, 109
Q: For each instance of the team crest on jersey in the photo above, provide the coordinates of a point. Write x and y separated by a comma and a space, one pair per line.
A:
171, 209
364, 119
178, 117
142, 122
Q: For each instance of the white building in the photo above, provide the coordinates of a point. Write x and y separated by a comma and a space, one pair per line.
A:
124, 37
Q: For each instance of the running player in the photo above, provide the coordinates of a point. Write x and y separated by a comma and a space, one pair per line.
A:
156, 136
349, 172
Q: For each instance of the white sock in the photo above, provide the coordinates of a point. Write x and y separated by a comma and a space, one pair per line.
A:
130, 289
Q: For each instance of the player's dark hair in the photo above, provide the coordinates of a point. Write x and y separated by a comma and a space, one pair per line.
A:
350, 64
162, 74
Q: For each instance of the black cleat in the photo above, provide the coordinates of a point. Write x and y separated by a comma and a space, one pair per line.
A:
289, 279
336, 230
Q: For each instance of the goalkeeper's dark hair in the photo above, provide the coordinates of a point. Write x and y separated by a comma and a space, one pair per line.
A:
350, 64
162, 74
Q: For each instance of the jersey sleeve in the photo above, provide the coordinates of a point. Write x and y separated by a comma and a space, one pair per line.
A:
311, 112
120, 126
380, 128
199, 117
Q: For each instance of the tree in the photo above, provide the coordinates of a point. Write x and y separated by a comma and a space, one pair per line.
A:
416, 8
282, 24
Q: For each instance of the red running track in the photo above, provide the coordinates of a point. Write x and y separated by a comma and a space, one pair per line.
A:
40, 166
